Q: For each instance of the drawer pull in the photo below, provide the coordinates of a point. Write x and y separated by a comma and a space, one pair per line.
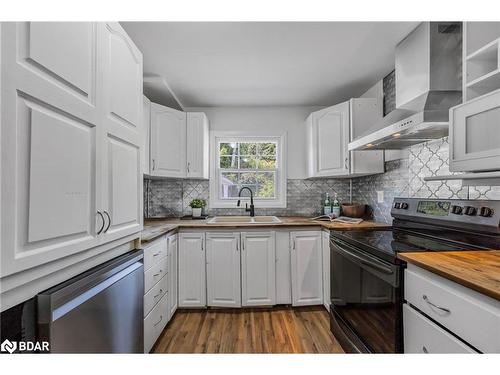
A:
158, 274
426, 299
424, 350
159, 321
159, 294
156, 254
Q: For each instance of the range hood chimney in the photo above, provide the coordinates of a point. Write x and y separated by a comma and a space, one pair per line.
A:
428, 84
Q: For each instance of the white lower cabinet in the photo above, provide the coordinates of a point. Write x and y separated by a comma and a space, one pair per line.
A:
306, 268
155, 322
421, 335
173, 274
258, 269
470, 315
192, 271
325, 247
283, 275
223, 269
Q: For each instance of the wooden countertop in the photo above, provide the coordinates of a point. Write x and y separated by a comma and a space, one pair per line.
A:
478, 270
154, 228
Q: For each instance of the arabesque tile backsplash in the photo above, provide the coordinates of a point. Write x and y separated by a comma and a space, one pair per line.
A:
403, 178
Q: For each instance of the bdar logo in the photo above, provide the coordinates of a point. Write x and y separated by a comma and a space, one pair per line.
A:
8, 346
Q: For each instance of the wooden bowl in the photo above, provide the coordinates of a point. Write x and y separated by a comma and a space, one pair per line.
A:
353, 209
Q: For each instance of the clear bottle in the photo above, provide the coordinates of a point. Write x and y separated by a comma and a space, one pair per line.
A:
327, 206
336, 206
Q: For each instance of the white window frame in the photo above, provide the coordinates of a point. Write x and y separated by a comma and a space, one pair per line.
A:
248, 136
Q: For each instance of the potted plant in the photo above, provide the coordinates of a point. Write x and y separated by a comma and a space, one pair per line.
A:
197, 205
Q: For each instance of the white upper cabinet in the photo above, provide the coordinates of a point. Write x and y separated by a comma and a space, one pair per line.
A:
197, 145
168, 142
331, 129
306, 270
223, 269
146, 129
179, 143
258, 268
69, 146
122, 133
192, 272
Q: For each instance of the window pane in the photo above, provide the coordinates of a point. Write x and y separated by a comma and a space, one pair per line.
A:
247, 178
265, 185
267, 162
248, 148
248, 162
229, 162
229, 185
267, 149
228, 149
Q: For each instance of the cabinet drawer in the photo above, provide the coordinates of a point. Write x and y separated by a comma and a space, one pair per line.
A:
421, 335
154, 252
155, 294
154, 323
154, 274
468, 314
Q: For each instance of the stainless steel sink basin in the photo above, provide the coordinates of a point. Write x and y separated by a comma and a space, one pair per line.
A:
243, 220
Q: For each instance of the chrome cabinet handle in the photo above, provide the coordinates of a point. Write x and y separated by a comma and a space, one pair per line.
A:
243, 245
103, 222
345, 163
189, 164
293, 244
154, 165
158, 274
237, 245
109, 221
158, 253
201, 245
426, 299
159, 321
159, 294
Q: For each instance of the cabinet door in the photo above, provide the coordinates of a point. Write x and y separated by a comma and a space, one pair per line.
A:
258, 269
168, 142
475, 135
307, 271
192, 276
283, 276
328, 141
223, 270
50, 126
325, 247
146, 126
173, 273
121, 159
197, 145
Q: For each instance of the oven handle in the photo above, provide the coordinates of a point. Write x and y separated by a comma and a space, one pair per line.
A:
369, 263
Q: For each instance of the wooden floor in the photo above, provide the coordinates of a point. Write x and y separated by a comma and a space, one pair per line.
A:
275, 330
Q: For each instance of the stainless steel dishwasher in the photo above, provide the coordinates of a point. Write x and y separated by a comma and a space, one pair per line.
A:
98, 311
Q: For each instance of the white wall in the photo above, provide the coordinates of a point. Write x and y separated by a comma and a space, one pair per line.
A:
287, 119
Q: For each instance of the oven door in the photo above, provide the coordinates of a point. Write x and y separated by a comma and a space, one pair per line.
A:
366, 298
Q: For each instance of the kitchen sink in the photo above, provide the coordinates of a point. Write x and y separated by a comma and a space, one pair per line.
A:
244, 220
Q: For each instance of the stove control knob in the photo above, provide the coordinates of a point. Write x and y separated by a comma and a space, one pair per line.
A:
397, 205
486, 212
404, 206
457, 210
470, 211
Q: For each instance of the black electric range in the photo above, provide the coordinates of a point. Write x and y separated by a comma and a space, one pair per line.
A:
367, 276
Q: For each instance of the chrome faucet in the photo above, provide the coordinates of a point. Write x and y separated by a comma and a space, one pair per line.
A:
252, 207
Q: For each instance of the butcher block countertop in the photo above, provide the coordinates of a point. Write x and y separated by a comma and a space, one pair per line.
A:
477, 270
154, 228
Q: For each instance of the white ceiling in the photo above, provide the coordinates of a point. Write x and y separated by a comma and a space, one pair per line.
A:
267, 64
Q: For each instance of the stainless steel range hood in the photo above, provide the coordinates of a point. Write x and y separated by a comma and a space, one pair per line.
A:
428, 84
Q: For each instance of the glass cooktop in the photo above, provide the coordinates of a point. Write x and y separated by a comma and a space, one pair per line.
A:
387, 244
